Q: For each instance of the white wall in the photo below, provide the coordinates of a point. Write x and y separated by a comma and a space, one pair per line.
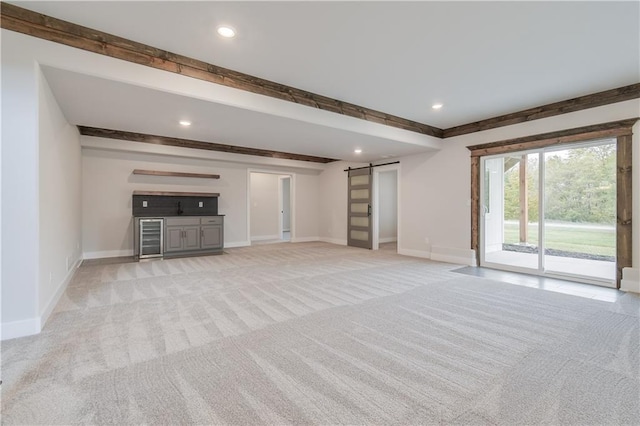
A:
265, 209
40, 193
388, 206
60, 201
20, 219
306, 207
434, 208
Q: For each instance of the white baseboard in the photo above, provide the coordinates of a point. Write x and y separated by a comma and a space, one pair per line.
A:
443, 254
29, 327
454, 255
387, 240
265, 237
304, 239
107, 253
630, 280
337, 241
237, 244
53, 301
415, 253
14, 329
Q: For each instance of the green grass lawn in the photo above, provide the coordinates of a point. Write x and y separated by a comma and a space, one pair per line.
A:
580, 240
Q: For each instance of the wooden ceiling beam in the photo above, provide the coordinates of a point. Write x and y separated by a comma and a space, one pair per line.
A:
607, 97
187, 143
24, 21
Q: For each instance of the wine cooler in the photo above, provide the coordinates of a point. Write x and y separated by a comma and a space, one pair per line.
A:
151, 244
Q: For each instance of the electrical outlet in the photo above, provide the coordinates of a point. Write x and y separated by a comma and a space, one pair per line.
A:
144, 204
200, 204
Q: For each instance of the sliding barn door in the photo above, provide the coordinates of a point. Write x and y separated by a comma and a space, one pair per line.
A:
359, 211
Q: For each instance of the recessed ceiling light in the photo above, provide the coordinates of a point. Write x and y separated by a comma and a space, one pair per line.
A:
185, 123
226, 32
436, 106
357, 151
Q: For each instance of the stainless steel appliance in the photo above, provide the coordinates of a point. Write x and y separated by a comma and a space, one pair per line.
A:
151, 238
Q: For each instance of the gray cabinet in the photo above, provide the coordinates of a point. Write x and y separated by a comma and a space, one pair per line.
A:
181, 233
211, 236
211, 232
193, 235
179, 238
173, 238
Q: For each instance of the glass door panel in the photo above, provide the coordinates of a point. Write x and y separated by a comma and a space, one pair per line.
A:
510, 203
580, 211
571, 191
359, 214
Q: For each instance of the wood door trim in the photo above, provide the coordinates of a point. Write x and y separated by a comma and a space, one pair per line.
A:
475, 207
624, 209
585, 133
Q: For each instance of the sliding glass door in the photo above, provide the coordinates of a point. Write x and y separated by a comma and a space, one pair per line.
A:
551, 211
580, 210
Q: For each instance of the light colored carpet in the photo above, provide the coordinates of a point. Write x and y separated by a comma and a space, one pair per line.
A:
319, 334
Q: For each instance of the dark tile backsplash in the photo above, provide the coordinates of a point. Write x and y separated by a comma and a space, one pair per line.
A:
161, 205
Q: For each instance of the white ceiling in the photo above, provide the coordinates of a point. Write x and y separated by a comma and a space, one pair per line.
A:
119, 106
481, 59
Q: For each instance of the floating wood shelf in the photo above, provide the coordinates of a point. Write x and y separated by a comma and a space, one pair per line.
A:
178, 194
178, 174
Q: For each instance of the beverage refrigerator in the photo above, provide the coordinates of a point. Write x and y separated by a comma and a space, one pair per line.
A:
151, 238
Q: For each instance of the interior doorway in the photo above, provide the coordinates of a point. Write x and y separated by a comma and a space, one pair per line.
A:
284, 197
373, 207
270, 212
386, 210
552, 212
